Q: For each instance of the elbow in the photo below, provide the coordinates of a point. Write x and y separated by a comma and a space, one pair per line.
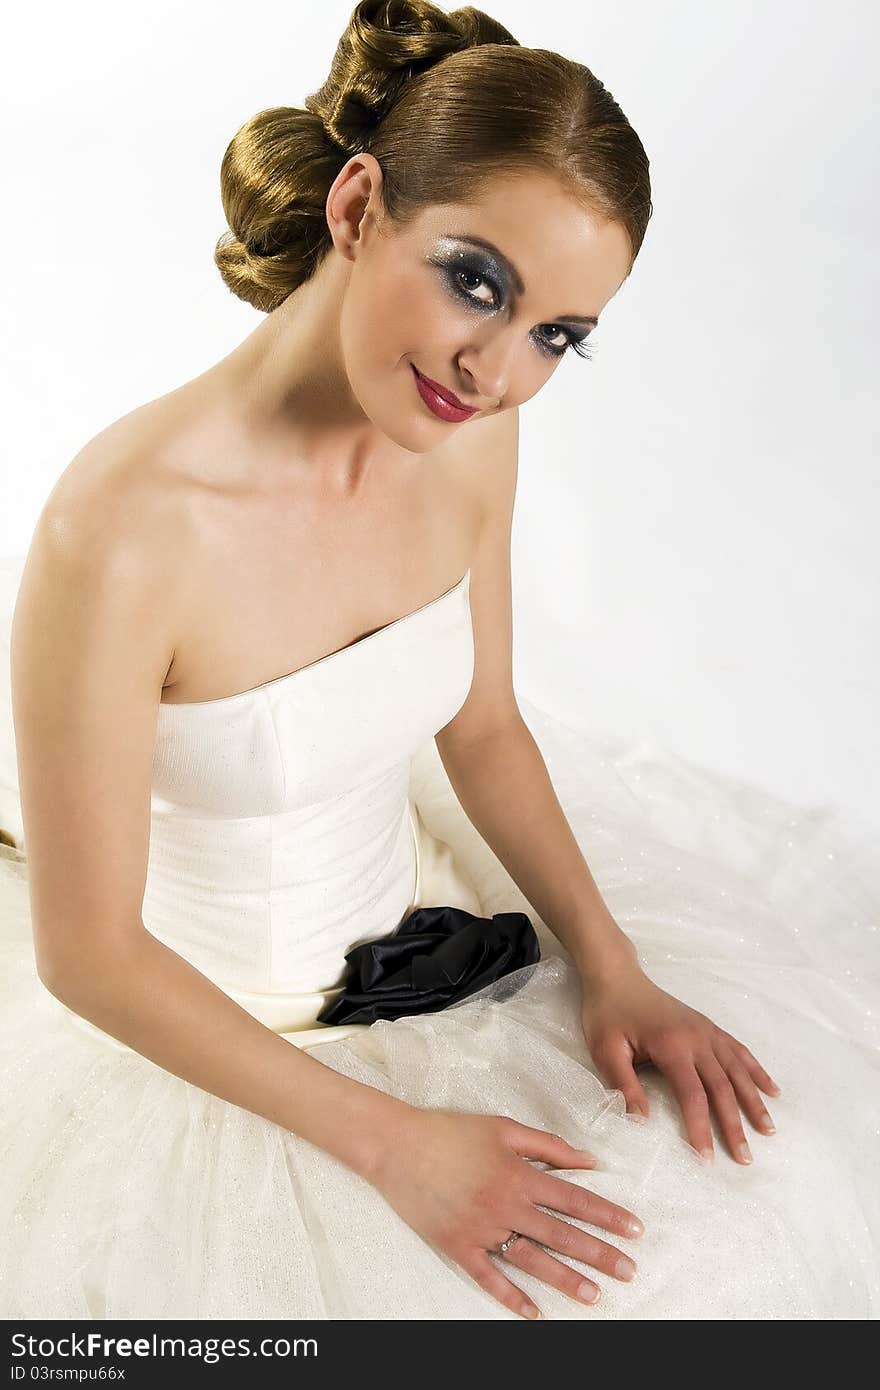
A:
81, 982
60, 980
469, 731
49, 971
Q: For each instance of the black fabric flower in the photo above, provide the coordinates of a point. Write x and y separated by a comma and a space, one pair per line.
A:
437, 956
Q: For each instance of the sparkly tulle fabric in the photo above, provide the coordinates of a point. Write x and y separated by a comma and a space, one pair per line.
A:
130, 1193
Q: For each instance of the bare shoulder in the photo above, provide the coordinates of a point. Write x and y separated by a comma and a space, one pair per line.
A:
499, 459
484, 459
105, 552
489, 468
116, 506
91, 643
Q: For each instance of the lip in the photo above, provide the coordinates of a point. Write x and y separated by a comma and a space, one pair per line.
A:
443, 402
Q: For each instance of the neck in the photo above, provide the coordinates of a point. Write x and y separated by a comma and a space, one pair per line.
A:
287, 384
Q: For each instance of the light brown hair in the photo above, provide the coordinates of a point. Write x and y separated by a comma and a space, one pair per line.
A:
408, 82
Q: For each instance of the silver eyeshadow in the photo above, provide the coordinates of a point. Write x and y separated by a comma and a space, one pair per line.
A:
459, 256
454, 247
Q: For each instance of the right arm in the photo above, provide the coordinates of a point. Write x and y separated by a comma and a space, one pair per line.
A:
92, 641
91, 646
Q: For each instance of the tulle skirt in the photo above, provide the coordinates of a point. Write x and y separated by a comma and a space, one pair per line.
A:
128, 1192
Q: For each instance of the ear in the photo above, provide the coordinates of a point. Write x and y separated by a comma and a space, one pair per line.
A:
353, 202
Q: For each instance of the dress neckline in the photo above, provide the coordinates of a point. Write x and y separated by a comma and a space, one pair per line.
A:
321, 660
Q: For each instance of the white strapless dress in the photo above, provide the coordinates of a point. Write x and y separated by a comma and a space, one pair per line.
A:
293, 820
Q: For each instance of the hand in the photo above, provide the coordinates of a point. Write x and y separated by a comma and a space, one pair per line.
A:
463, 1182
628, 1020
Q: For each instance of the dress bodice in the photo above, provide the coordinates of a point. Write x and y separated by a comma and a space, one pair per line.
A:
282, 830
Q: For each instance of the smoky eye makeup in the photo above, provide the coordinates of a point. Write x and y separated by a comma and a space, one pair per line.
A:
479, 282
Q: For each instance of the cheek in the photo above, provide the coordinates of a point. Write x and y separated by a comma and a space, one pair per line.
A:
412, 316
408, 312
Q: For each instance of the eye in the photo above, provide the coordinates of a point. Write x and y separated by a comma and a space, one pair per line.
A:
481, 279
569, 340
461, 274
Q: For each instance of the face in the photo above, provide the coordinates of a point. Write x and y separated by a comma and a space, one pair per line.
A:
482, 298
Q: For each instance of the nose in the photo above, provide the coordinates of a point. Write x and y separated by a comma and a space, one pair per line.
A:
489, 366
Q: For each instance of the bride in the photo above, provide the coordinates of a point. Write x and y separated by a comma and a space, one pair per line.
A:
264, 711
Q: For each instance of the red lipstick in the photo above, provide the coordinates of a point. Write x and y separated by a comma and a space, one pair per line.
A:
440, 400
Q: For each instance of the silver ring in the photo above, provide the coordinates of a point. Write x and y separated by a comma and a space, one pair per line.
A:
506, 1244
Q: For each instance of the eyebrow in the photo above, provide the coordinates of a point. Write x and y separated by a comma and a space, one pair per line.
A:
515, 276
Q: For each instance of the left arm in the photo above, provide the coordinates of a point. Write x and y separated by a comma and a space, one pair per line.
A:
501, 780
505, 790
488, 751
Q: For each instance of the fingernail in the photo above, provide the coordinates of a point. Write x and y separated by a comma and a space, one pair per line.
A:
767, 1124
585, 1154
707, 1155
588, 1293
744, 1153
634, 1227
638, 1116
625, 1268
530, 1311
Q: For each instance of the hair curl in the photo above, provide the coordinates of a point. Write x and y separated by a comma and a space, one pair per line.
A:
406, 81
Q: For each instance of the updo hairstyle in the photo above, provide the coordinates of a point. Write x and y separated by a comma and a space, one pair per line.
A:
444, 102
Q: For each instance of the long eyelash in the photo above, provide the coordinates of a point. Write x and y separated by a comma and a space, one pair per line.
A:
577, 345
582, 349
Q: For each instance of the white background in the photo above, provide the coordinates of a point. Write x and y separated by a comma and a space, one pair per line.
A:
695, 556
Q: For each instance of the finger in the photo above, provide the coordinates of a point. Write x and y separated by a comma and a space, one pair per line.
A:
572, 1200
528, 1256
747, 1092
613, 1057
547, 1148
691, 1096
490, 1278
723, 1097
755, 1070
570, 1240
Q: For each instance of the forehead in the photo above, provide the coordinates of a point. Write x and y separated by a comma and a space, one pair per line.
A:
568, 257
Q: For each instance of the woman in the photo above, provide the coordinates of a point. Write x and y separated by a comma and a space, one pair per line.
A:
245, 609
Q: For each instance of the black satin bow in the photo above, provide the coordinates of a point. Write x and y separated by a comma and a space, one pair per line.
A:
437, 956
